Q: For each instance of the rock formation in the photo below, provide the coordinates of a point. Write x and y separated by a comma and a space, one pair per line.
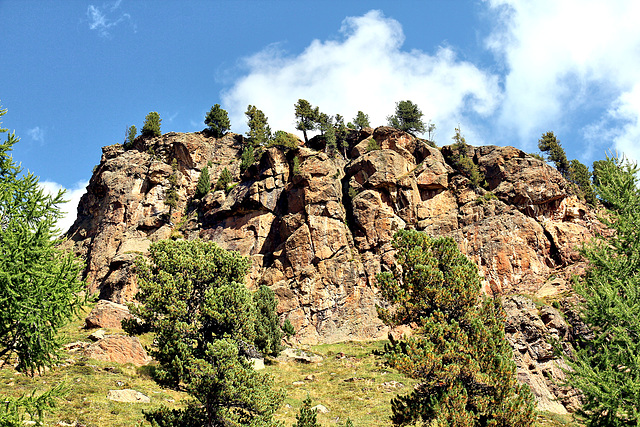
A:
318, 227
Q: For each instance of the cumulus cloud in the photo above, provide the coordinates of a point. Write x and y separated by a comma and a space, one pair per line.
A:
570, 58
36, 134
104, 18
69, 210
365, 68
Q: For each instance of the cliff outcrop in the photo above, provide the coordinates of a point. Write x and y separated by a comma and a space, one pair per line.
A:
318, 227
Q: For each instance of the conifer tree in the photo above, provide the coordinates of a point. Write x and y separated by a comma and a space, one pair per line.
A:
307, 117
306, 417
224, 180
460, 158
259, 131
550, 145
217, 120
151, 126
194, 299
341, 134
607, 367
130, 137
204, 183
361, 121
284, 140
39, 284
268, 331
579, 174
407, 117
459, 352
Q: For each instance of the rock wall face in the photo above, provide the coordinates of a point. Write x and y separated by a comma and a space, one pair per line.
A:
318, 227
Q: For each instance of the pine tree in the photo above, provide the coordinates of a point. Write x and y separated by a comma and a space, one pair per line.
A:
550, 145
461, 160
361, 121
288, 329
204, 184
130, 137
307, 416
607, 367
268, 331
259, 131
459, 352
151, 125
39, 284
224, 180
217, 120
407, 117
307, 117
579, 175
194, 299
341, 134
247, 158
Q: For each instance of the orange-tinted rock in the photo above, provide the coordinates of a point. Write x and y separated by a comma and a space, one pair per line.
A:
118, 349
107, 314
318, 228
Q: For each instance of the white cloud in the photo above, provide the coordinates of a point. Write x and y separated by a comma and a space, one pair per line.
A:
103, 18
568, 57
364, 69
36, 134
69, 210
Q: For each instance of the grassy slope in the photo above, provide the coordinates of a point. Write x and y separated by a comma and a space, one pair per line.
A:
351, 381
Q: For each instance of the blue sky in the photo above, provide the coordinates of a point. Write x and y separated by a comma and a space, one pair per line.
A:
75, 74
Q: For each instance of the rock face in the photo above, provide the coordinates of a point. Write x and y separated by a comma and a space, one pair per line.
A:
318, 227
530, 330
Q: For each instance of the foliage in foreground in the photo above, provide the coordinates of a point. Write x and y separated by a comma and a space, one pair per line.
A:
306, 417
607, 367
459, 352
39, 284
195, 301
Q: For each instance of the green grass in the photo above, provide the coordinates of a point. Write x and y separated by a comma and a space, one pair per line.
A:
351, 381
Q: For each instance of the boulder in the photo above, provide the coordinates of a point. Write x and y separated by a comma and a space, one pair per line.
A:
107, 314
118, 349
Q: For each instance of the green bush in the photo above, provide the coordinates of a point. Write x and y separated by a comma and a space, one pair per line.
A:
224, 180
288, 329
372, 145
284, 140
463, 163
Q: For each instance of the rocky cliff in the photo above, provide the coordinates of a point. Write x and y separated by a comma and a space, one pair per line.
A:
318, 227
